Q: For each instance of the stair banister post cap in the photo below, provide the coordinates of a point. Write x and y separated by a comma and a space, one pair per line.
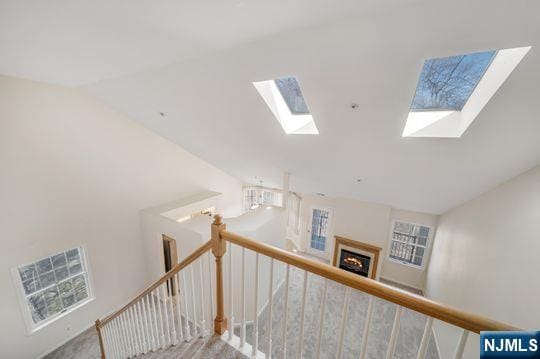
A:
218, 220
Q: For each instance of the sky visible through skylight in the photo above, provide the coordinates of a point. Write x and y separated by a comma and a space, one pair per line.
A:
292, 94
447, 83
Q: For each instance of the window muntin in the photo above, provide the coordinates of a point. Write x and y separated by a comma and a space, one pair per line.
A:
53, 285
447, 83
408, 243
319, 229
292, 94
261, 196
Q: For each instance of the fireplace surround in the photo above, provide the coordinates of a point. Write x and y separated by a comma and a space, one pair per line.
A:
356, 257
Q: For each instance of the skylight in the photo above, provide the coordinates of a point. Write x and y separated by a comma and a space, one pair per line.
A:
284, 98
447, 83
451, 91
292, 94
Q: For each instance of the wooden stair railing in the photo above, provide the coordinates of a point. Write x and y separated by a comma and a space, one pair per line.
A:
149, 321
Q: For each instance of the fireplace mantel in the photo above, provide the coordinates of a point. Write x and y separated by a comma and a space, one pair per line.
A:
362, 247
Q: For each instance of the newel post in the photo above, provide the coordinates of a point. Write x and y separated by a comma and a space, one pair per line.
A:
100, 339
218, 249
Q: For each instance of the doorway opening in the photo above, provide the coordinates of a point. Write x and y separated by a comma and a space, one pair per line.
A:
170, 256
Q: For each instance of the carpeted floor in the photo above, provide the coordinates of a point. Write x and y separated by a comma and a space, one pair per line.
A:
408, 341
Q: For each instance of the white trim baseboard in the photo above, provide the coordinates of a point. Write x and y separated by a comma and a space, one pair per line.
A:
401, 283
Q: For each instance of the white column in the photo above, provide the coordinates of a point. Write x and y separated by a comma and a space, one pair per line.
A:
285, 196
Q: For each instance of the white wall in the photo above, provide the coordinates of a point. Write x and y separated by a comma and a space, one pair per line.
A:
75, 172
369, 223
486, 259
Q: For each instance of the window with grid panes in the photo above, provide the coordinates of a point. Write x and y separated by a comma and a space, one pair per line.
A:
408, 243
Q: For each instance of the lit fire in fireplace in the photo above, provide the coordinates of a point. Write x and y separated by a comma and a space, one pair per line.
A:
353, 261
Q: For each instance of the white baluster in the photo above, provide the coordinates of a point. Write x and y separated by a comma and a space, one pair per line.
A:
110, 333
166, 314
127, 333
255, 340
146, 327
243, 313
116, 344
367, 327
120, 339
270, 303
176, 284
285, 320
394, 334
174, 339
138, 347
203, 299
188, 330
109, 353
182, 303
156, 324
193, 301
210, 271
425, 339
344, 319
123, 339
146, 303
231, 305
302, 316
458, 354
321, 319
158, 303
140, 323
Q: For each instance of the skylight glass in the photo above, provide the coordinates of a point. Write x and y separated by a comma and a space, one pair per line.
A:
292, 94
284, 98
447, 83
452, 91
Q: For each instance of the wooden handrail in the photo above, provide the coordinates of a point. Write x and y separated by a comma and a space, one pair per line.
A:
191, 258
448, 314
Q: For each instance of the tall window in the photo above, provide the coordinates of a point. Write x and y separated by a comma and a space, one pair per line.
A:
261, 196
408, 243
51, 286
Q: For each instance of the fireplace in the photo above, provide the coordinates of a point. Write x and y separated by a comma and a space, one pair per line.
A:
356, 257
354, 262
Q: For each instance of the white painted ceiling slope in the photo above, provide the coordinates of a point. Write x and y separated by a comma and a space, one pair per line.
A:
196, 63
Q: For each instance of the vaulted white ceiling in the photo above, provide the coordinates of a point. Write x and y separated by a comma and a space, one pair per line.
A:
196, 61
